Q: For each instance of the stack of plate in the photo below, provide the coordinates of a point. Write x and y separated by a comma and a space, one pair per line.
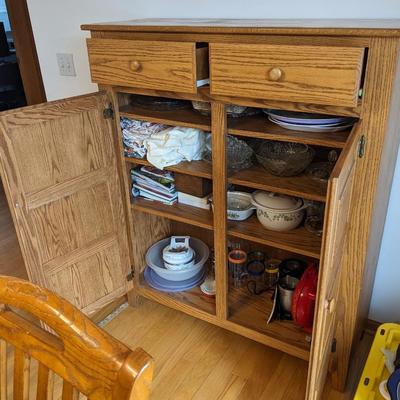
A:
309, 122
168, 280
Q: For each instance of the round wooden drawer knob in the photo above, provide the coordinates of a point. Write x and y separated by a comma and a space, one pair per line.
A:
330, 305
275, 74
136, 66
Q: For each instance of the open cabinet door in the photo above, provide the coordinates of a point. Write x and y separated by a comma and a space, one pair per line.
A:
340, 189
59, 170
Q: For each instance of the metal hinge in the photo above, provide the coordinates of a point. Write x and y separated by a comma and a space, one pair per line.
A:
333, 346
131, 275
108, 112
361, 146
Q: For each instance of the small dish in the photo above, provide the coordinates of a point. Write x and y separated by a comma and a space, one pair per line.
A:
208, 287
239, 206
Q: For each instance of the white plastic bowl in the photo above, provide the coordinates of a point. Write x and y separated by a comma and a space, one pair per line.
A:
155, 260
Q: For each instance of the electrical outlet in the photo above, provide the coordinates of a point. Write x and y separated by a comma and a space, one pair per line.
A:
66, 64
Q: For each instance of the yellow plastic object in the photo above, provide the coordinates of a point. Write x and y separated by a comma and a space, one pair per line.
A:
387, 336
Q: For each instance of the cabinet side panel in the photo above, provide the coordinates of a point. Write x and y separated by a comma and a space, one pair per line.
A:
372, 186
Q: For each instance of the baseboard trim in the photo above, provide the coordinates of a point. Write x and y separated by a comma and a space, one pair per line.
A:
372, 326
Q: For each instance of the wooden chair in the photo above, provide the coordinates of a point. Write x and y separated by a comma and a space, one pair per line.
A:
87, 359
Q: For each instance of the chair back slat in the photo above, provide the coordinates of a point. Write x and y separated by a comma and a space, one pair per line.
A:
83, 355
45, 383
21, 375
3, 369
69, 392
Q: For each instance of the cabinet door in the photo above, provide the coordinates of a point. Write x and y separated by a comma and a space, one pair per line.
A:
335, 230
59, 170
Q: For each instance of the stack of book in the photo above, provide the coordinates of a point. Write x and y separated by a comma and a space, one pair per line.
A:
154, 184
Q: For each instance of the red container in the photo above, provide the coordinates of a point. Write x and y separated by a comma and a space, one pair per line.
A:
303, 302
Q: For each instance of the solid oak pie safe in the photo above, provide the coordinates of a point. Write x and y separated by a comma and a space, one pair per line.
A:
84, 236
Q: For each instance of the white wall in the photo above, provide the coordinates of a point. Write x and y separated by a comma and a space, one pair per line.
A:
385, 302
56, 26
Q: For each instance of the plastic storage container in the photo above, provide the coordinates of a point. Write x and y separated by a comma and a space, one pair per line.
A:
155, 260
387, 336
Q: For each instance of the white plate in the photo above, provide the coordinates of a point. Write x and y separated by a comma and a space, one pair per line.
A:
311, 128
304, 118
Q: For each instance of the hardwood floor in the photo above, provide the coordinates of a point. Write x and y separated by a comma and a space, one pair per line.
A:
194, 359
11, 262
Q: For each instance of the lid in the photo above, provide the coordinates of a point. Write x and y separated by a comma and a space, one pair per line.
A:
276, 201
272, 266
178, 251
237, 256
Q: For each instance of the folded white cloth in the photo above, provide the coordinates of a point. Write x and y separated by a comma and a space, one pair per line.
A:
173, 145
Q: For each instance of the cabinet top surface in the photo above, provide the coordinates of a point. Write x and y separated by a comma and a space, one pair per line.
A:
334, 27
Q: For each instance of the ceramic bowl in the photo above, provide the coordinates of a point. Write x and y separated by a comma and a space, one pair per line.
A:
278, 212
284, 158
239, 206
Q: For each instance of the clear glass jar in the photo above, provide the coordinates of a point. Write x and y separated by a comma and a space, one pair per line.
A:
255, 276
237, 260
271, 272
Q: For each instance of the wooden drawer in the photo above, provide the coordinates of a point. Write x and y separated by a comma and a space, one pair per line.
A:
147, 64
307, 74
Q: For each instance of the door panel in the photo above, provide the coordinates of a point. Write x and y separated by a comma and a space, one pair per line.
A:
102, 268
335, 230
59, 169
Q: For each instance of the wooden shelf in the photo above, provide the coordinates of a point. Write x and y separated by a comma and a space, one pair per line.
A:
203, 94
192, 300
258, 126
202, 169
188, 117
251, 311
177, 212
298, 240
303, 186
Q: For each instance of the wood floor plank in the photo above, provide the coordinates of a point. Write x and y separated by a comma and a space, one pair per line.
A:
257, 366
216, 346
234, 388
220, 377
283, 377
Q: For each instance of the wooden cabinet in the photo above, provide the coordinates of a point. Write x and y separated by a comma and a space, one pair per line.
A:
84, 236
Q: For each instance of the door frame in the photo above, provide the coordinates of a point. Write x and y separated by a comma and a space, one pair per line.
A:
18, 14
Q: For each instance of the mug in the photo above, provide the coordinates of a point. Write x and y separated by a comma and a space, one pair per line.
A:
286, 286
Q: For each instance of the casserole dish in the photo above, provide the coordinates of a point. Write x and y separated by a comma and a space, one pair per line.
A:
278, 212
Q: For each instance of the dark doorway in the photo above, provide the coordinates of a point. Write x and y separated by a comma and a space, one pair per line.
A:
20, 77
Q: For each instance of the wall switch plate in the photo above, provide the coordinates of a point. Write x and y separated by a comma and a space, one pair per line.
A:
66, 64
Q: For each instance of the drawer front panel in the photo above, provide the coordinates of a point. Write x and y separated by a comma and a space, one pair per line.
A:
307, 74
143, 64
